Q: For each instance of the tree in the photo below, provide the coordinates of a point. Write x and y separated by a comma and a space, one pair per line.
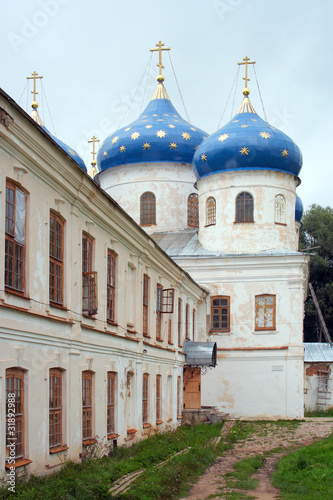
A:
317, 231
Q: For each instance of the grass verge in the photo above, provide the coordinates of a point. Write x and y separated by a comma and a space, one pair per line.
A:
306, 474
91, 480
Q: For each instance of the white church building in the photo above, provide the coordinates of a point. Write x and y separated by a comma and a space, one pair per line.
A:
182, 243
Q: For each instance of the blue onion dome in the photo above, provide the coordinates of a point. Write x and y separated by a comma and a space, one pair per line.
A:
299, 209
35, 116
160, 134
247, 142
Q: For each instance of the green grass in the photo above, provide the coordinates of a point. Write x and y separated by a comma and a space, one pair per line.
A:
327, 413
306, 474
91, 480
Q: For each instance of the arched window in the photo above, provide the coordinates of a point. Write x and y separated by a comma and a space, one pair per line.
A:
210, 211
147, 209
244, 207
280, 209
193, 210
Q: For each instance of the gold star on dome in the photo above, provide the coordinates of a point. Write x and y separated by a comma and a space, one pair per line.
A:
186, 136
196, 147
144, 116
171, 126
122, 149
135, 135
173, 145
127, 129
105, 154
244, 151
244, 126
204, 157
115, 139
194, 129
148, 126
253, 119
160, 120
265, 135
166, 114
71, 152
155, 115
160, 133
284, 153
176, 116
144, 121
223, 137
235, 121
177, 121
146, 145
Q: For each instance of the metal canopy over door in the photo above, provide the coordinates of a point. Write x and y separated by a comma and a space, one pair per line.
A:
192, 387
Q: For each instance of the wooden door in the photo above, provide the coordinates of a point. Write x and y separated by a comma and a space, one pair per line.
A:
192, 388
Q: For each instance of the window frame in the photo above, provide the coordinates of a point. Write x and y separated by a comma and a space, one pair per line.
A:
56, 411
265, 307
193, 323
145, 399
193, 210
244, 208
145, 306
89, 277
147, 209
158, 398
111, 286
280, 210
17, 254
179, 409
187, 322
170, 331
87, 409
111, 404
210, 211
220, 328
19, 424
180, 302
57, 262
159, 298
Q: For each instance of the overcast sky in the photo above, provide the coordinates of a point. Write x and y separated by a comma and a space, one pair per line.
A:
93, 55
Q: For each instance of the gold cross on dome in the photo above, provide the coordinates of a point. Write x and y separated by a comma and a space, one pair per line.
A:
246, 62
34, 77
93, 140
160, 48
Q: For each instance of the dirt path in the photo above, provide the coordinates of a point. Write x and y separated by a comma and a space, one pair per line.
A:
265, 438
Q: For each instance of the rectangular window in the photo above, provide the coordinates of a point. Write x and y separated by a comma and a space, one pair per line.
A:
180, 322
55, 408
170, 331
179, 388
220, 313
145, 399
193, 325
158, 398
187, 322
87, 405
265, 312
168, 300
56, 259
15, 395
145, 302
111, 403
111, 286
89, 294
159, 290
15, 238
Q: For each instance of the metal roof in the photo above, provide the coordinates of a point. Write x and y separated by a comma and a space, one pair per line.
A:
200, 353
316, 352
